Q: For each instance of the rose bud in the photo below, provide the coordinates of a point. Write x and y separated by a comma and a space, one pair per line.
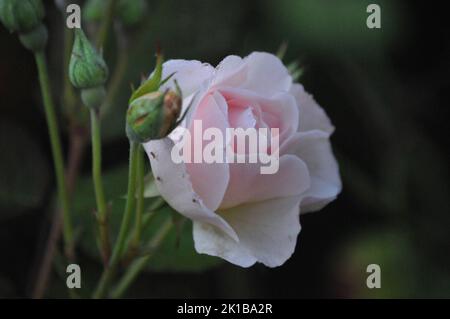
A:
87, 70
131, 12
93, 10
153, 116
25, 17
21, 15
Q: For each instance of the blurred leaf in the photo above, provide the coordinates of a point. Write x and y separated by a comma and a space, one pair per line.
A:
150, 187
336, 26
24, 171
170, 257
177, 252
393, 251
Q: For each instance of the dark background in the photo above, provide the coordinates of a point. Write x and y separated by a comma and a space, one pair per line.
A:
383, 89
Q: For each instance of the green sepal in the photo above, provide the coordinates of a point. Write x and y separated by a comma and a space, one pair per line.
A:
152, 84
36, 39
145, 118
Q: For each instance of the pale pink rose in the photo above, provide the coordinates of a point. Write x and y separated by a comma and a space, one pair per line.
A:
238, 213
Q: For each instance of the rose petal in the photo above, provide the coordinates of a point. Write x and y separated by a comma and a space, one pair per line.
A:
260, 72
267, 233
267, 75
175, 187
312, 116
231, 72
314, 148
248, 185
209, 181
278, 111
190, 75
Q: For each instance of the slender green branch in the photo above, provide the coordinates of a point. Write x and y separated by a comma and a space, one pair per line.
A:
139, 264
98, 185
140, 199
115, 83
130, 204
106, 23
119, 70
121, 239
69, 96
56, 151
140, 224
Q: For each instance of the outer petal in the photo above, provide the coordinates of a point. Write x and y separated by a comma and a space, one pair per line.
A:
267, 75
248, 185
260, 72
312, 116
190, 75
231, 72
314, 148
174, 185
209, 181
267, 233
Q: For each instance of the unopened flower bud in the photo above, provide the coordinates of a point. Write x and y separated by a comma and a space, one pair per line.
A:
153, 116
21, 15
87, 68
94, 10
131, 12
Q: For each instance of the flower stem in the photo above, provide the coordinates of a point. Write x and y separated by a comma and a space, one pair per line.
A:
106, 23
121, 239
139, 264
98, 185
69, 96
140, 199
56, 151
117, 77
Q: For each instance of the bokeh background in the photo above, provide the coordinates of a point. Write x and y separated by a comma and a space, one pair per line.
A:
383, 89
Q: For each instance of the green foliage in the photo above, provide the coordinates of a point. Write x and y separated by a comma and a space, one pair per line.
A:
393, 252
177, 251
338, 26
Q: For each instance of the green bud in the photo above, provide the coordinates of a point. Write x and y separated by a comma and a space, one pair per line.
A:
87, 68
36, 39
131, 12
94, 10
93, 97
21, 15
153, 116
